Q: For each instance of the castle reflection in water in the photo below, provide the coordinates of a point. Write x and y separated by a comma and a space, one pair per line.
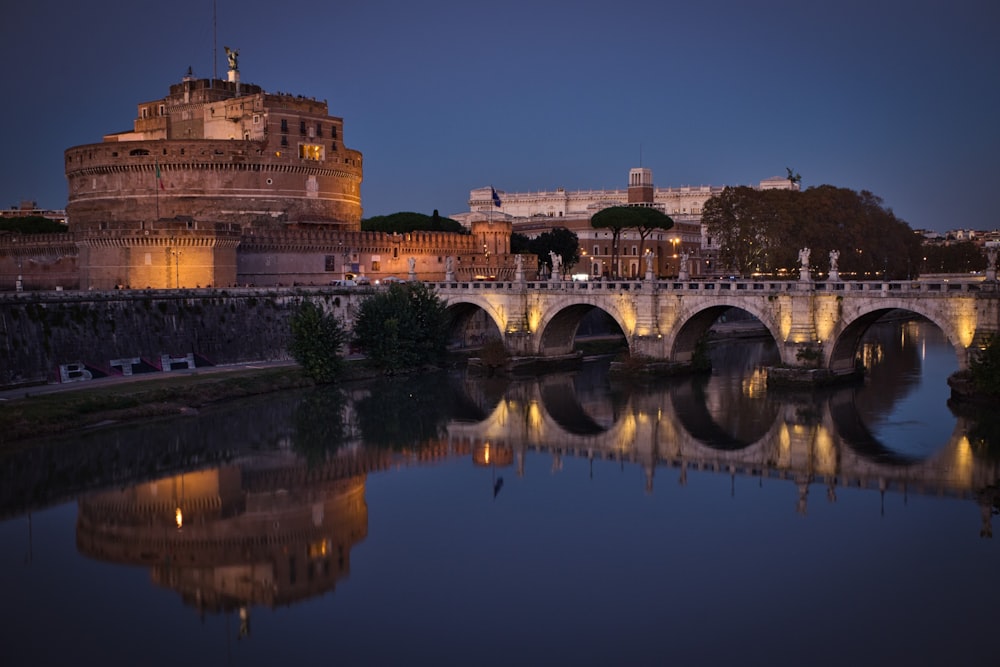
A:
275, 525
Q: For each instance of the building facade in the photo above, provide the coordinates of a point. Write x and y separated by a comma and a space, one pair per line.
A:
686, 245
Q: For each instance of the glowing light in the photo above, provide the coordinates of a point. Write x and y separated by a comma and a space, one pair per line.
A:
179, 518
961, 468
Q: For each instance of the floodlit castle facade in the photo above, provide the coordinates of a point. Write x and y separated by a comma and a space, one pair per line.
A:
224, 151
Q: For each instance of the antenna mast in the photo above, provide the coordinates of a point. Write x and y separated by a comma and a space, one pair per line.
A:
215, 46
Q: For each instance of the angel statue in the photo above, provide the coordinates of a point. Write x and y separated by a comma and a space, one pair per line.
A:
232, 55
804, 257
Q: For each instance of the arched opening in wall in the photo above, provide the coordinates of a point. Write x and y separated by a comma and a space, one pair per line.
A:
583, 329
903, 403
471, 329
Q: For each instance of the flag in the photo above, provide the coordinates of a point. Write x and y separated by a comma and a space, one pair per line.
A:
158, 179
496, 197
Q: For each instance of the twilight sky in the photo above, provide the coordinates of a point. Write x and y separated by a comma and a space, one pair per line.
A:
897, 97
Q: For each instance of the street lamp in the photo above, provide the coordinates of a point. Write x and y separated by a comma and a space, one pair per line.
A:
177, 267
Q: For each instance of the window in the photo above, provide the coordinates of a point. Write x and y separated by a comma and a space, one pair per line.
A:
284, 141
161, 110
376, 265
256, 119
284, 125
635, 251
311, 152
333, 131
319, 130
330, 263
333, 146
302, 127
597, 250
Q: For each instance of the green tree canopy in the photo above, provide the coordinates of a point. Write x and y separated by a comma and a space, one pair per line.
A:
403, 222
402, 328
520, 244
316, 341
559, 240
763, 230
32, 224
619, 218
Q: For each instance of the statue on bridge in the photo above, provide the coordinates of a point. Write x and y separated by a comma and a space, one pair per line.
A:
649, 264
556, 265
834, 256
991, 259
804, 260
685, 269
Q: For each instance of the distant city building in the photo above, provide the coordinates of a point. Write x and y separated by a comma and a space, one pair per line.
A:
532, 213
29, 209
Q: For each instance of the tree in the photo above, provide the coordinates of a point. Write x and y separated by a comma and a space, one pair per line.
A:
652, 221
559, 240
618, 218
960, 257
402, 328
32, 224
743, 225
520, 244
984, 367
316, 341
763, 230
405, 221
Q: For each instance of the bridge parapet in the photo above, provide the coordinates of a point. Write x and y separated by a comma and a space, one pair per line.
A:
923, 287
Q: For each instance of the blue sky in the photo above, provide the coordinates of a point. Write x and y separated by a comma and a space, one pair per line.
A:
899, 98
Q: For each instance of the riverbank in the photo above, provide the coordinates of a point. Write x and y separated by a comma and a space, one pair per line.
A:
45, 411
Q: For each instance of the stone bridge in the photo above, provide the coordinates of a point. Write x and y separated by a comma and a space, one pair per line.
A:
815, 324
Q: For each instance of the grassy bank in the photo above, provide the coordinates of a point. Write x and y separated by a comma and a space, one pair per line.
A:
49, 414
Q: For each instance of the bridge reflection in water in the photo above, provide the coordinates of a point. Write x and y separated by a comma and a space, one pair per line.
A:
269, 528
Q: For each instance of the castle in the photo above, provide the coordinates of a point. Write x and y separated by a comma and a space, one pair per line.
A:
221, 183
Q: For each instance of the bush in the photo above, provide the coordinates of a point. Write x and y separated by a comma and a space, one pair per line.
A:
985, 367
316, 342
402, 328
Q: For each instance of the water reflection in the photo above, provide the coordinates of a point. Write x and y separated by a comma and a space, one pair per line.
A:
261, 504
267, 531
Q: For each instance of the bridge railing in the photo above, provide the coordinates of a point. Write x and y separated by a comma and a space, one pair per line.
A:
726, 286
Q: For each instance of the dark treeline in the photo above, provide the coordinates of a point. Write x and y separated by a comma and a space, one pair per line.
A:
32, 224
762, 231
406, 221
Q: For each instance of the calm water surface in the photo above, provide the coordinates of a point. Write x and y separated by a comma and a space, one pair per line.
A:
562, 520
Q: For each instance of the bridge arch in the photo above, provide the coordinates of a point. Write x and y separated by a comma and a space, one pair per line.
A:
463, 312
958, 325
695, 323
558, 329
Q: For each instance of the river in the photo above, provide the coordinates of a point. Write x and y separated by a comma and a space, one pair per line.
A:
567, 519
